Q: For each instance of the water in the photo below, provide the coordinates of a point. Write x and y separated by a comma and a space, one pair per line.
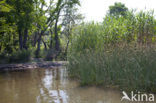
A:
50, 86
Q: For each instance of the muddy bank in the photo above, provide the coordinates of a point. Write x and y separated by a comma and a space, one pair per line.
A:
33, 65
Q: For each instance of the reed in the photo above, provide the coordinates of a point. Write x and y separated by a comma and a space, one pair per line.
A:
120, 52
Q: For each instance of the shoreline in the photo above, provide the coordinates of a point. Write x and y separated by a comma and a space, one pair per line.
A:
32, 65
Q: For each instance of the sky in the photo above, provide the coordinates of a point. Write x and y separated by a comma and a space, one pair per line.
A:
95, 10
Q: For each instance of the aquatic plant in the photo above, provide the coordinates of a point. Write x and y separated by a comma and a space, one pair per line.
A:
119, 52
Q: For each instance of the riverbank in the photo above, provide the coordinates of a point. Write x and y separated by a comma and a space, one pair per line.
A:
32, 65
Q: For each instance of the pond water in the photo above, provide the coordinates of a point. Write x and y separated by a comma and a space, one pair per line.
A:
50, 86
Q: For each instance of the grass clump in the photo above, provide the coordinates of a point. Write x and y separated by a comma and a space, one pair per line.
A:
119, 52
127, 67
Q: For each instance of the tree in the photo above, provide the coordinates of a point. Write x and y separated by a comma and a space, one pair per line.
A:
54, 12
71, 19
28, 23
118, 9
22, 17
6, 27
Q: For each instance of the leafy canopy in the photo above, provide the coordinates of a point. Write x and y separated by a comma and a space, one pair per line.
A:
118, 9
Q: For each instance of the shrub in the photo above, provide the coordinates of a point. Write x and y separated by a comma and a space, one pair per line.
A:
20, 56
49, 55
3, 58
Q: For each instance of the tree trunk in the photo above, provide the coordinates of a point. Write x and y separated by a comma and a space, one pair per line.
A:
25, 39
51, 40
45, 45
20, 39
36, 34
38, 46
57, 45
66, 48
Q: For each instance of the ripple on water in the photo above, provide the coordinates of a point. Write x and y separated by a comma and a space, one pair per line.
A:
50, 86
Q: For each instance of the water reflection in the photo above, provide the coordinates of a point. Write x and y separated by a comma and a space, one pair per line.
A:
51, 89
50, 86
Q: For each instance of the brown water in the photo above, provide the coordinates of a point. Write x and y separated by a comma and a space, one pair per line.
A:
50, 86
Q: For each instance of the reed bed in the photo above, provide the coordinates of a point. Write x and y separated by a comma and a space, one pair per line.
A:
120, 52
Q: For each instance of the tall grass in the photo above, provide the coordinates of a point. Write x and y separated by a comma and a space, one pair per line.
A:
116, 52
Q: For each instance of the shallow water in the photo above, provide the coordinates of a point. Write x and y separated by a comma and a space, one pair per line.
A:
50, 86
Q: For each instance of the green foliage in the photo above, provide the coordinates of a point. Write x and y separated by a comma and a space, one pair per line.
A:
86, 36
145, 24
110, 53
118, 9
25, 23
49, 55
127, 67
4, 58
4, 7
15, 57
20, 56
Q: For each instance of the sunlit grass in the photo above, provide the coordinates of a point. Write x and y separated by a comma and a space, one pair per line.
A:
119, 52
127, 67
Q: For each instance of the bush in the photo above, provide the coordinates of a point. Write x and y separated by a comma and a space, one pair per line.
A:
20, 56
3, 58
49, 55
